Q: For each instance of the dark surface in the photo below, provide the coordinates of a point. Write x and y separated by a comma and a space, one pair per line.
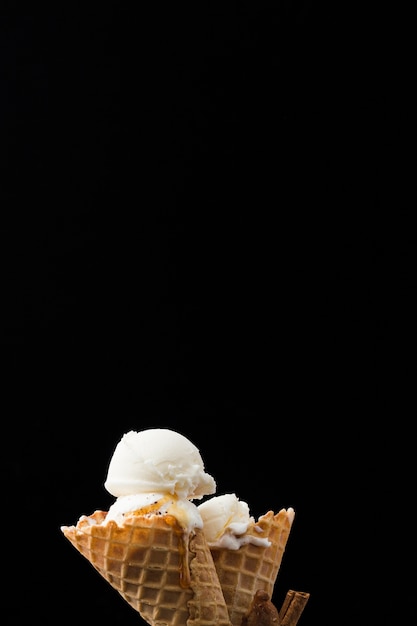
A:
206, 226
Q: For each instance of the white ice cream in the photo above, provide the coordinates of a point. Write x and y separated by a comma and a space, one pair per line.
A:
158, 460
157, 472
226, 520
184, 511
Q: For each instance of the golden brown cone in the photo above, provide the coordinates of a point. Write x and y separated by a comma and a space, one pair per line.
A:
147, 561
251, 568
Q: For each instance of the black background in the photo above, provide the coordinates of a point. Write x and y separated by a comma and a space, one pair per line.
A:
207, 226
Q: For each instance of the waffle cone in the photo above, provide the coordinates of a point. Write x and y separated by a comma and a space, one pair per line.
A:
169, 580
250, 568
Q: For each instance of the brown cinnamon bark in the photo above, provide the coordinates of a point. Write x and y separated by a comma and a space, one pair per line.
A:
261, 612
292, 607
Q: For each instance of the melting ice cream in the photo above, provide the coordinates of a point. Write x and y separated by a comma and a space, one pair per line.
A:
226, 520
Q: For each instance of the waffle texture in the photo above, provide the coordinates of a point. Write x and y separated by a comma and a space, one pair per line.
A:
169, 582
251, 568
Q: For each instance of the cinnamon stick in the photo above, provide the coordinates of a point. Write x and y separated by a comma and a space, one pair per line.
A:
292, 607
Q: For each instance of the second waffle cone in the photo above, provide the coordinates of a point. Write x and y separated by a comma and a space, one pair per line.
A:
251, 567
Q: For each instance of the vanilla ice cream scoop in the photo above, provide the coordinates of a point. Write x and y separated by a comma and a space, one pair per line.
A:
224, 512
226, 521
158, 460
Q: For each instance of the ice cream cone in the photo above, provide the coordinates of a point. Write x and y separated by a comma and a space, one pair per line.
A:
251, 567
164, 574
